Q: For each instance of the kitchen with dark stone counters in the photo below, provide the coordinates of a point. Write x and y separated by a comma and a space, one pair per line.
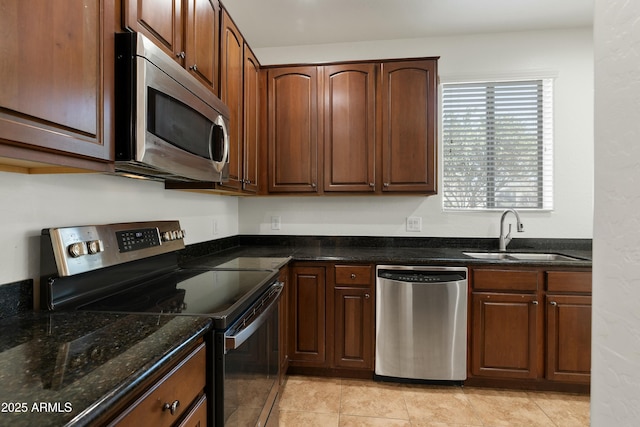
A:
41, 383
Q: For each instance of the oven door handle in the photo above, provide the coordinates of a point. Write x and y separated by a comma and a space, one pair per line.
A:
232, 342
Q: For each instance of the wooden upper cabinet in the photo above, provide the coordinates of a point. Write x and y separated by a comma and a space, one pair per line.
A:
231, 93
409, 103
187, 31
293, 118
349, 127
159, 20
57, 81
252, 121
202, 32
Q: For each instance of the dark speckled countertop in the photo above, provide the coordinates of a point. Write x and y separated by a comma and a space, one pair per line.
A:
44, 381
425, 251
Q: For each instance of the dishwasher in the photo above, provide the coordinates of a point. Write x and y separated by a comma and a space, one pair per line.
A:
421, 323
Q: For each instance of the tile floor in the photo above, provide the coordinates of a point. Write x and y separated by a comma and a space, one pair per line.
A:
327, 402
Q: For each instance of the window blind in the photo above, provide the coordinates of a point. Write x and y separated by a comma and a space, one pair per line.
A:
497, 145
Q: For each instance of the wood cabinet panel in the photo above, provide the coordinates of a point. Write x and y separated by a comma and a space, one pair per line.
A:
293, 129
505, 335
161, 21
503, 279
182, 384
354, 328
197, 417
349, 127
57, 77
307, 326
231, 93
202, 32
354, 275
569, 338
252, 121
408, 103
569, 281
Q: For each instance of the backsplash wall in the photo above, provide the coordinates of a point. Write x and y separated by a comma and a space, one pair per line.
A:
32, 202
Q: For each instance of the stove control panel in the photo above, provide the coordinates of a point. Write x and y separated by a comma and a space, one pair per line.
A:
80, 249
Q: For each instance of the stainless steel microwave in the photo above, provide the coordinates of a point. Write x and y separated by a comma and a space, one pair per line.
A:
169, 127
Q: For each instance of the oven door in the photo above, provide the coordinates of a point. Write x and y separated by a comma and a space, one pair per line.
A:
247, 365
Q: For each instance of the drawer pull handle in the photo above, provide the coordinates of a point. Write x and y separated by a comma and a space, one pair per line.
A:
171, 407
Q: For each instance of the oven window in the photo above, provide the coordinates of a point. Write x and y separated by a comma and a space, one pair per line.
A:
177, 123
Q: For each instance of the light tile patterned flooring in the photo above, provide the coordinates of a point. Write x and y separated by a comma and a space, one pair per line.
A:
327, 402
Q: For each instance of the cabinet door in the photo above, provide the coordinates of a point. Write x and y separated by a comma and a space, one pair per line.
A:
354, 330
506, 341
203, 18
161, 21
408, 102
57, 79
252, 120
293, 129
232, 65
569, 338
307, 326
349, 127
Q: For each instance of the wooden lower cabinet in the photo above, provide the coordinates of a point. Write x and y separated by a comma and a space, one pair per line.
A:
176, 399
505, 335
353, 328
307, 331
531, 326
332, 327
569, 338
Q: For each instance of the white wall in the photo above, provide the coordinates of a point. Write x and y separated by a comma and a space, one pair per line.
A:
29, 203
615, 384
565, 55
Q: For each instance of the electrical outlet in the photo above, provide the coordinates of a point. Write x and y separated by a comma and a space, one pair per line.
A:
275, 222
414, 223
215, 227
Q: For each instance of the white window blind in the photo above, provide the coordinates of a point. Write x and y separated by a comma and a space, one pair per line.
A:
497, 145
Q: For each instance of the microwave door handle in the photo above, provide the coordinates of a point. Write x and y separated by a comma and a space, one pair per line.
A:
232, 342
219, 165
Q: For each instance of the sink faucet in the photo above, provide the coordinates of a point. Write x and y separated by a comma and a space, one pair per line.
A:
504, 240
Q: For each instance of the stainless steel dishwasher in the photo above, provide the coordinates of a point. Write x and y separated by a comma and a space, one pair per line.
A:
421, 323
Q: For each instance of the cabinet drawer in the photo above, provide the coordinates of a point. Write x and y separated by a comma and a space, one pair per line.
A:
182, 384
569, 281
353, 275
511, 280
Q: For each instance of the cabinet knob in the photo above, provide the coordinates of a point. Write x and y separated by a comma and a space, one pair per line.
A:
313, 185
534, 302
367, 296
180, 55
372, 185
553, 303
353, 275
194, 67
386, 184
171, 407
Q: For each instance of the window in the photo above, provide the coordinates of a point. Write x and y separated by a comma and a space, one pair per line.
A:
497, 145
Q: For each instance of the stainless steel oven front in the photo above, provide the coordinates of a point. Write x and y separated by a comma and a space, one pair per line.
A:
247, 365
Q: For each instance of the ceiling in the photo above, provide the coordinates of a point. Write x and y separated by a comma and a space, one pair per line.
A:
276, 23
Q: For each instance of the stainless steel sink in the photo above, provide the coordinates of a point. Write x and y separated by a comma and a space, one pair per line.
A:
521, 256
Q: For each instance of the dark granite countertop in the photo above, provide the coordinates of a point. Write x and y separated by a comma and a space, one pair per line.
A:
46, 374
388, 250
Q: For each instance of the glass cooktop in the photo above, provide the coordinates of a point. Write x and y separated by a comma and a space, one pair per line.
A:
220, 294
